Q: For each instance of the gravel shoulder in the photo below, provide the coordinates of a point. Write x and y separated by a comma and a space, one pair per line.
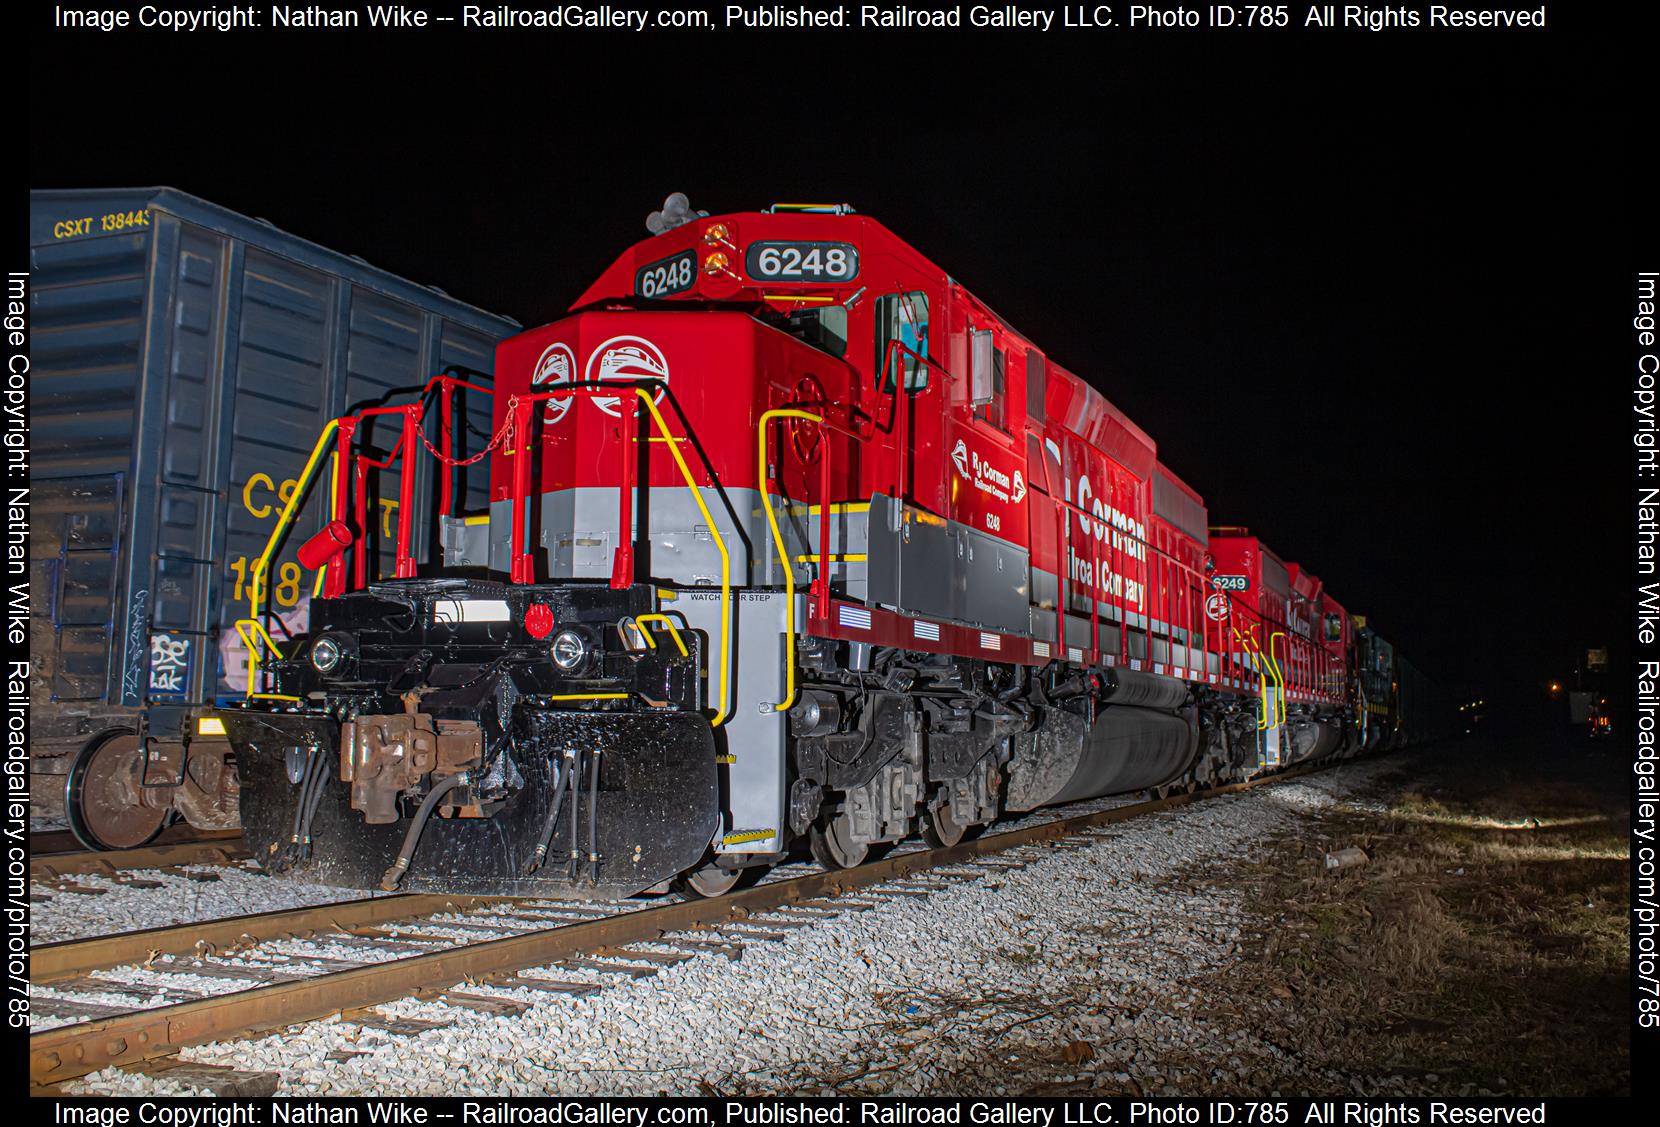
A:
114, 906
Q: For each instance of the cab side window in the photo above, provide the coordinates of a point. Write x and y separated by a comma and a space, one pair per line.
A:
993, 410
986, 378
902, 317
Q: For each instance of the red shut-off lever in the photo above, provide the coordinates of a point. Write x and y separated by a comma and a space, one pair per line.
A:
335, 538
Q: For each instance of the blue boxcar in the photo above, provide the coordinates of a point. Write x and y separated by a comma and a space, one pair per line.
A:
185, 359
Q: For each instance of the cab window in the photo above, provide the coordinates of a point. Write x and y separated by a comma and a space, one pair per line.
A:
992, 410
902, 317
825, 328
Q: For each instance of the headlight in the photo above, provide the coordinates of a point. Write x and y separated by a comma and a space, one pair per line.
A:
568, 650
325, 655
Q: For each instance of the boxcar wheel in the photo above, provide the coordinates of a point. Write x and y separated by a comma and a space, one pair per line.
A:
98, 790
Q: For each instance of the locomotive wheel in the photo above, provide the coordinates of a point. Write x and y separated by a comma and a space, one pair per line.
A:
940, 829
710, 880
105, 773
832, 843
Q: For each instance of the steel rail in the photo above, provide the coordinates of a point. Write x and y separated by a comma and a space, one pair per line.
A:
53, 866
44, 843
66, 1052
53, 961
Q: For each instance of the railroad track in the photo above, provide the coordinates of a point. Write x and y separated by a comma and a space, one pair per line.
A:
48, 865
442, 948
44, 843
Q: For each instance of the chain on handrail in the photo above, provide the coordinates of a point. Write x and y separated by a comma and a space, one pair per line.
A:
502, 435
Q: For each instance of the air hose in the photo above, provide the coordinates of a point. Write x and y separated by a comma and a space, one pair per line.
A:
593, 820
389, 882
310, 794
545, 838
319, 788
310, 780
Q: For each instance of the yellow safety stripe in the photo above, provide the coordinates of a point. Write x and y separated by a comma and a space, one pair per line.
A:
748, 836
795, 509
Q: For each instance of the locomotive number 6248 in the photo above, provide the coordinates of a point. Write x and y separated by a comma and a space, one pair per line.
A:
803, 261
670, 276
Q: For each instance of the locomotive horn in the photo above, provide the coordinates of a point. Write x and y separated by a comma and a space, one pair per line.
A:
677, 209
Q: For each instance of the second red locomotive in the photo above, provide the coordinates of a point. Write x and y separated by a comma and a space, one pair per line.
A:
790, 537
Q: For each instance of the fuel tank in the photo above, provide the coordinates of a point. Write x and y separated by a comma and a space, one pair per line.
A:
1309, 738
1143, 737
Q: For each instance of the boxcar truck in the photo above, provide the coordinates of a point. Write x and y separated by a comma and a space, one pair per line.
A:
185, 359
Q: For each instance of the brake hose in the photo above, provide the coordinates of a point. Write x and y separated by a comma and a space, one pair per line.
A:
389, 882
593, 820
545, 838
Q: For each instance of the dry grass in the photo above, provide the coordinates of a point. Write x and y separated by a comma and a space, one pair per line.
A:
1484, 943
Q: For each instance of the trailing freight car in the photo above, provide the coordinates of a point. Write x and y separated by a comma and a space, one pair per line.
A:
185, 358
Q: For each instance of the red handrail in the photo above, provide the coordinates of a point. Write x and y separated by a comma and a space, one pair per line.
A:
352, 475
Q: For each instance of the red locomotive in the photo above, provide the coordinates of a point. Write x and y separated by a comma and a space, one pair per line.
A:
790, 538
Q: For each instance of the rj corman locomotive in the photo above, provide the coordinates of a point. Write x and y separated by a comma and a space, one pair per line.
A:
789, 538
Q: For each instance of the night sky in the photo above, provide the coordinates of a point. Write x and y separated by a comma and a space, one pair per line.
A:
1367, 292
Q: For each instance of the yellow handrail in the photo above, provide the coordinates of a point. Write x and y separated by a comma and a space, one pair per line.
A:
666, 621
1279, 676
778, 541
252, 631
256, 587
720, 544
1254, 651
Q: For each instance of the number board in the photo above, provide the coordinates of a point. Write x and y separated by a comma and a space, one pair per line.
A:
671, 275
1231, 582
802, 262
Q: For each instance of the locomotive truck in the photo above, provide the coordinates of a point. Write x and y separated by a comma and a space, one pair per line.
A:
789, 539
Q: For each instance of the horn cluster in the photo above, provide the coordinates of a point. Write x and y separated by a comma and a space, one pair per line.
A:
677, 209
